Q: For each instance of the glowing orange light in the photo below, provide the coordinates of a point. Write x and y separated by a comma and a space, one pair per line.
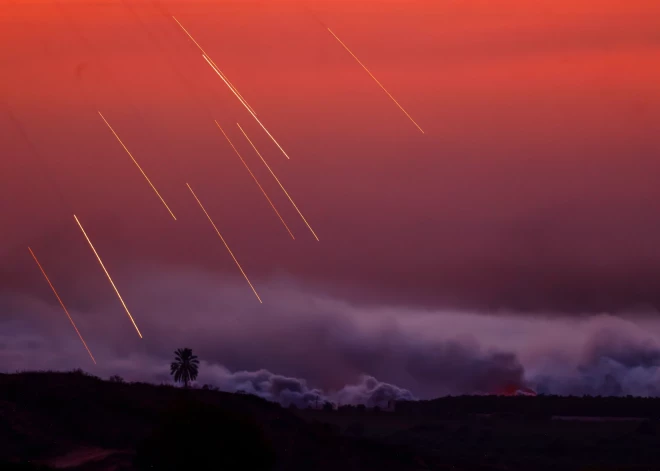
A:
231, 85
108, 275
376, 80
223, 241
253, 115
256, 181
138, 166
278, 181
66, 311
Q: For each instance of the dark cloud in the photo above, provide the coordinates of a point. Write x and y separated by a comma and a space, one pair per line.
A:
613, 363
611, 346
301, 345
434, 368
298, 335
457, 368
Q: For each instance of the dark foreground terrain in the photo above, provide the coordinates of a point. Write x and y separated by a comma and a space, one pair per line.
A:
79, 422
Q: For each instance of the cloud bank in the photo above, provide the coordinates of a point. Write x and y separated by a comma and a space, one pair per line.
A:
302, 346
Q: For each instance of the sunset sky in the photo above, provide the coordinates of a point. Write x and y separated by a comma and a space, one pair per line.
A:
532, 197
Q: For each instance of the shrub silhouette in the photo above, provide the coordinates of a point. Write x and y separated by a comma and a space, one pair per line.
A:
199, 436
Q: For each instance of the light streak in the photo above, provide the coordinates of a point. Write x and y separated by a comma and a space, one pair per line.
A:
224, 77
223, 241
138, 166
278, 181
246, 107
66, 311
108, 275
376, 80
231, 85
256, 181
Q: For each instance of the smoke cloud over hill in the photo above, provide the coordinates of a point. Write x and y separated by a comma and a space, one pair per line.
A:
302, 346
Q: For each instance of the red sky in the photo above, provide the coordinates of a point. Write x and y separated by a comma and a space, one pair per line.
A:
535, 185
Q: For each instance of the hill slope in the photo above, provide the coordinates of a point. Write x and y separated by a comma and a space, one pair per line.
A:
78, 422
69, 419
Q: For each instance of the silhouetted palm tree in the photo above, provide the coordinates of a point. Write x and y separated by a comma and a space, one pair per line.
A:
185, 366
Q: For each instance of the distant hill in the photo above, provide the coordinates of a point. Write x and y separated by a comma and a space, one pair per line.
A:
78, 422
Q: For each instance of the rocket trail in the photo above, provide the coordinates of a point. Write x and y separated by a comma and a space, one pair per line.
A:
256, 181
226, 80
246, 107
66, 311
108, 275
138, 166
223, 241
231, 85
278, 182
376, 80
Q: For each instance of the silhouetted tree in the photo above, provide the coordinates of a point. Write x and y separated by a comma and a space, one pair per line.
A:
185, 366
116, 379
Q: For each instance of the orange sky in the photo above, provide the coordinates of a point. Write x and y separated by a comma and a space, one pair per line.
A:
541, 118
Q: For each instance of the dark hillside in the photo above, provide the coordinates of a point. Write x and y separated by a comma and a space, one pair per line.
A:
79, 422
47, 417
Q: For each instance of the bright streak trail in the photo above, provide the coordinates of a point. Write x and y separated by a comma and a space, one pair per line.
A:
231, 85
138, 166
246, 107
108, 275
256, 181
223, 241
66, 311
376, 80
226, 80
278, 181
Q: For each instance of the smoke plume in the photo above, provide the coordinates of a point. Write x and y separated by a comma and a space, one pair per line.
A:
303, 346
